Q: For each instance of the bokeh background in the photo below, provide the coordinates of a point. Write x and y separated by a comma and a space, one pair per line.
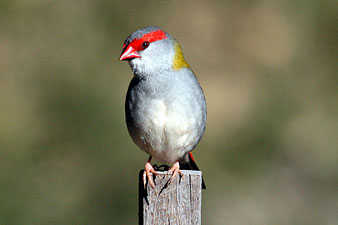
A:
269, 72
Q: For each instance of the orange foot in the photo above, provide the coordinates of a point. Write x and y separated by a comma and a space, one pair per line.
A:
148, 173
174, 170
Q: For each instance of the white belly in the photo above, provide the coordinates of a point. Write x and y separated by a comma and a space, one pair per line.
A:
167, 131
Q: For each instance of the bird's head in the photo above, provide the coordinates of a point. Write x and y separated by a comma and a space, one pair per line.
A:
150, 50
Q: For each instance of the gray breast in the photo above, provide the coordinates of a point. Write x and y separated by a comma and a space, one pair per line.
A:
166, 117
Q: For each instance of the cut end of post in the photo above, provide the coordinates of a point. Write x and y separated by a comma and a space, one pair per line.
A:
176, 203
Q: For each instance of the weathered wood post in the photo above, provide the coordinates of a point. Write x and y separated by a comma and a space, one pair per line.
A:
177, 203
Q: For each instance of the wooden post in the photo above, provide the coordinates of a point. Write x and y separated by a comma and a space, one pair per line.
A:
177, 203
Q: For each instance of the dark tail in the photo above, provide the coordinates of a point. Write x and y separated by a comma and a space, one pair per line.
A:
190, 164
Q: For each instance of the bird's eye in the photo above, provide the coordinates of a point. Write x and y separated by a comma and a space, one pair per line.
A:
145, 45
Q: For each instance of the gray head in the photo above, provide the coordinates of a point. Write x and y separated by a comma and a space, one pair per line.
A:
150, 50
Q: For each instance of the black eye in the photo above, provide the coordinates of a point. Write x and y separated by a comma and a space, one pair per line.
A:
145, 44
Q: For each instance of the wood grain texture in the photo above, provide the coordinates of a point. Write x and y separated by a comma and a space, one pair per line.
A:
177, 203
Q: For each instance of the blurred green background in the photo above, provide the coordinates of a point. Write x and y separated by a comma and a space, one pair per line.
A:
269, 72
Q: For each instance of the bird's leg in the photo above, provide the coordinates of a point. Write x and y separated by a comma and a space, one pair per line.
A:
148, 173
174, 170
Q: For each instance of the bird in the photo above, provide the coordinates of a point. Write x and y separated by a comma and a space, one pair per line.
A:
165, 107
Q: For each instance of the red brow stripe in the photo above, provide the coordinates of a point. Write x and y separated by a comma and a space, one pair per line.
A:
151, 37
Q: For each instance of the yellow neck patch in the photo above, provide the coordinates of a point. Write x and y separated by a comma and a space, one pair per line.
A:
179, 61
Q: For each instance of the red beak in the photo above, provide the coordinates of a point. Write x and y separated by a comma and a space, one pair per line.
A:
129, 53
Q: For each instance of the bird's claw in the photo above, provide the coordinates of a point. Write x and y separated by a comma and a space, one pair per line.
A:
148, 173
174, 170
